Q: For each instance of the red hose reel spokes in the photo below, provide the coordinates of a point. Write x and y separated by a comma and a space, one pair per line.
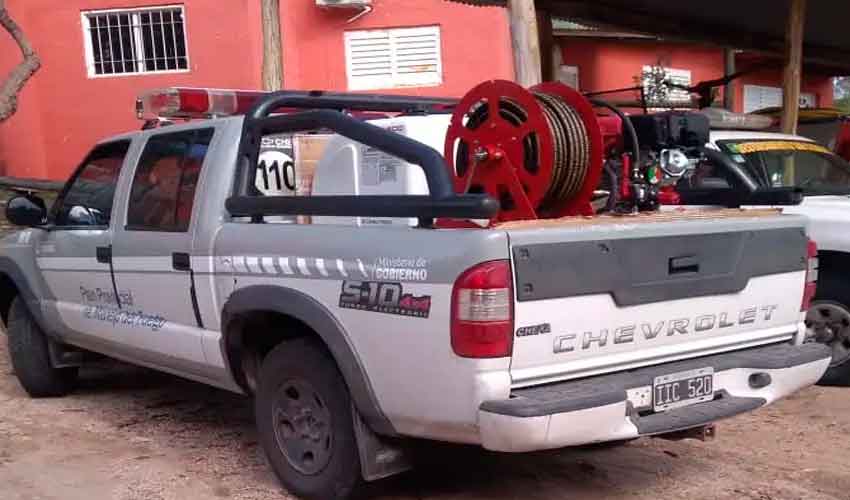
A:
538, 152
499, 143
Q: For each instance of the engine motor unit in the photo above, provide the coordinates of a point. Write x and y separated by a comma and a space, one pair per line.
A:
670, 129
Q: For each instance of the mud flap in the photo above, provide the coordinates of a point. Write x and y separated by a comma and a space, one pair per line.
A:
380, 457
62, 356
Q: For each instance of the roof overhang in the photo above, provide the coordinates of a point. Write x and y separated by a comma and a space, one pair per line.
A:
753, 25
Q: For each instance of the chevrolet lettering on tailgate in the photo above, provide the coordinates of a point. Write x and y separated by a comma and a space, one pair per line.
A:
680, 326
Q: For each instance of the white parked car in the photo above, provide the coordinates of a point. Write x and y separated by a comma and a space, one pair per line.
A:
777, 164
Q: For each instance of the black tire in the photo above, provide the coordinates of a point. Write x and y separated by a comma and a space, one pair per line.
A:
304, 419
833, 293
31, 359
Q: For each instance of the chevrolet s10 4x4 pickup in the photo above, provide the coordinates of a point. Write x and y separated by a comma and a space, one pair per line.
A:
374, 320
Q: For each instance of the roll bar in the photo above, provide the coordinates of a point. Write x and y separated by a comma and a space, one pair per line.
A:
328, 111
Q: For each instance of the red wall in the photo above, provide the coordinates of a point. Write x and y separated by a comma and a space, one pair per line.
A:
816, 84
476, 42
62, 111
611, 64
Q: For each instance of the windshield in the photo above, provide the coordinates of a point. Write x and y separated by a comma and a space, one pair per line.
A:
797, 164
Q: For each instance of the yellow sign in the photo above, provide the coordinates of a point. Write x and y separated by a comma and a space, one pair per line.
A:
762, 146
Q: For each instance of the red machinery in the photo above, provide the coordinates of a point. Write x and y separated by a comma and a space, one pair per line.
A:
538, 151
542, 152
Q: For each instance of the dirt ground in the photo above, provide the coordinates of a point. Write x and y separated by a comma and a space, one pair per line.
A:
132, 434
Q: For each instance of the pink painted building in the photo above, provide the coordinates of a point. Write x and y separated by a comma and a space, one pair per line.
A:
97, 55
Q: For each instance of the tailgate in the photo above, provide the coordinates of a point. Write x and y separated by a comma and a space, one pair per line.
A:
595, 297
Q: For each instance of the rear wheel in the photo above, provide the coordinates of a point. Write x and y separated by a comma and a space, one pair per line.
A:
829, 320
28, 350
304, 418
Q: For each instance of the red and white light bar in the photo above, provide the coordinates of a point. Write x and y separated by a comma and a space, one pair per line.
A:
194, 103
185, 102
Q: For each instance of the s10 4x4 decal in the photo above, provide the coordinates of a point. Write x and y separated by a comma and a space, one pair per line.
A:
383, 297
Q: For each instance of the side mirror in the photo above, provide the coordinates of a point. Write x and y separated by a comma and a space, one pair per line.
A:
26, 211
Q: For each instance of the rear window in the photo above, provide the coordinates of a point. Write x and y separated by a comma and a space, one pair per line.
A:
163, 191
791, 164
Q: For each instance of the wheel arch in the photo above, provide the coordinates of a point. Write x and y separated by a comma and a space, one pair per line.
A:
288, 303
13, 283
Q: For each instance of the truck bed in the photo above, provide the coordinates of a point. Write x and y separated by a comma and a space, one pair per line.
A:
644, 218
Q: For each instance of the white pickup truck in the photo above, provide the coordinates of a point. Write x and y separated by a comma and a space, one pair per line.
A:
776, 162
517, 337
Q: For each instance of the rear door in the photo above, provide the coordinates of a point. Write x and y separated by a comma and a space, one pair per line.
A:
617, 295
74, 256
152, 250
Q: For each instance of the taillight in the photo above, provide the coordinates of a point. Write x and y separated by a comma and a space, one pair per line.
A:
482, 311
811, 276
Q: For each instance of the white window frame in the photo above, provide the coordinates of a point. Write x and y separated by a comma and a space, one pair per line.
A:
778, 94
85, 24
570, 75
394, 80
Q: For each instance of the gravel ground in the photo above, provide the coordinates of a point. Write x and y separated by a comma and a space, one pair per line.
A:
132, 434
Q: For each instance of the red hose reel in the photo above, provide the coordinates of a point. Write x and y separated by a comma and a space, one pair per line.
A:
538, 151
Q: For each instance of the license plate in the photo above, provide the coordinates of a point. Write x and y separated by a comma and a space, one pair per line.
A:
682, 389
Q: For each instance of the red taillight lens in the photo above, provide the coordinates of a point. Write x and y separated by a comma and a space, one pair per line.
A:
811, 276
482, 311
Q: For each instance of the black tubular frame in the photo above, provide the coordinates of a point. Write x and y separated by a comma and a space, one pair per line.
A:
329, 111
744, 181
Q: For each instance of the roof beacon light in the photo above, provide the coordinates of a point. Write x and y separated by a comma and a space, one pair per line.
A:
183, 102
725, 119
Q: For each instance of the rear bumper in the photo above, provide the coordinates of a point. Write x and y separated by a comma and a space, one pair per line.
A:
614, 407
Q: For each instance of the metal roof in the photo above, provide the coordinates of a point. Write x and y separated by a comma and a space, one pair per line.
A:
757, 25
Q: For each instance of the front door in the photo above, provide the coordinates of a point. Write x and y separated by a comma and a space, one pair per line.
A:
74, 256
152, 251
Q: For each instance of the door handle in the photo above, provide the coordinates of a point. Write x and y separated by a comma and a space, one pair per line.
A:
683, 265
181, 261
104, 254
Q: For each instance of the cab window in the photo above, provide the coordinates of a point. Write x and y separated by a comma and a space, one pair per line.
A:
87, 199
163, 190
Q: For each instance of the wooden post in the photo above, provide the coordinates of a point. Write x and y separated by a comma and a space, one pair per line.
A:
729, 88
272, 51
526, 42
793, 66
548, 70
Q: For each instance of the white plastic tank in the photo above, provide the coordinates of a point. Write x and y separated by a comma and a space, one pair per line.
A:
350, 168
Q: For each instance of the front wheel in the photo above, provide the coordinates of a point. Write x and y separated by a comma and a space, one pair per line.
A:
30, 356
304, 418
829, 321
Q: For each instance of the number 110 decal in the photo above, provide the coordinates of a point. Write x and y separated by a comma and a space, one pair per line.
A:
383, 297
